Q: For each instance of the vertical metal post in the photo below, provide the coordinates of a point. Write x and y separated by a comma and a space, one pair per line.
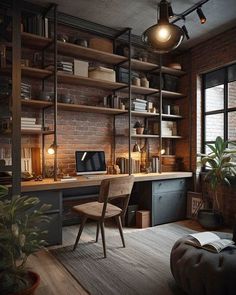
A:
160, 113
16, 94
129, 63
43, 144
55, 91
114, 141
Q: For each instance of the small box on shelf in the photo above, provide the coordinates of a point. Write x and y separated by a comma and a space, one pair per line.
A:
81, 68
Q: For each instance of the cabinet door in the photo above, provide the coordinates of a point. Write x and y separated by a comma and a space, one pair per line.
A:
168, 207
54, 229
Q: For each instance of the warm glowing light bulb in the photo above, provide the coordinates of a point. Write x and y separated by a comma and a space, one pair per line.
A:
51, 151
163, 151
163, 34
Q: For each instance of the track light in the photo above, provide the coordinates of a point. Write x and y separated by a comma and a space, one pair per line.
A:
163, 36
185, 32
170, 11
201, 15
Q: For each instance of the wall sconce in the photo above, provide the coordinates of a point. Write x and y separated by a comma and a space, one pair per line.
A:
164, 36
201, 15
52, 148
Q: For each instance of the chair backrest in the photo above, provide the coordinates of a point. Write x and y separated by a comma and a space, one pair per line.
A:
117, 187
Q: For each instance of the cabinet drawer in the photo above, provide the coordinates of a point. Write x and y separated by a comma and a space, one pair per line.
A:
168, 186
168, 207
49, 197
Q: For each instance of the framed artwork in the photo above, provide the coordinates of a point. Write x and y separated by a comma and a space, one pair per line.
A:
194, 203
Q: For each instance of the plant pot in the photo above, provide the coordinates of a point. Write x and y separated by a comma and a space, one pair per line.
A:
139, 130
210, 219
34, 283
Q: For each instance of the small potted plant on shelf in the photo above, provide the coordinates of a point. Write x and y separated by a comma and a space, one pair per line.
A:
20, 236
220, 172
139, 127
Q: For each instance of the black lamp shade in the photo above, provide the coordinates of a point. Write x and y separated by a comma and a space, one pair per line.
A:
163, 37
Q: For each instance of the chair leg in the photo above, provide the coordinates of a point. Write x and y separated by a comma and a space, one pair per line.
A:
97, 233
118, 221
80, 231
103, 239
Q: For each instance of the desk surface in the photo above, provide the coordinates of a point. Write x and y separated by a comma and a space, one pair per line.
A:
83, 181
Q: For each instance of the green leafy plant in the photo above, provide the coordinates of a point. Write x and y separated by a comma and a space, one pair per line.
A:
138, 124
20, 236
220, 167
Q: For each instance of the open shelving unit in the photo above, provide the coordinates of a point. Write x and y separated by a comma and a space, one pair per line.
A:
56, 47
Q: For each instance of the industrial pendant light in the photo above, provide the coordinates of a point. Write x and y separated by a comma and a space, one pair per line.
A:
164, 36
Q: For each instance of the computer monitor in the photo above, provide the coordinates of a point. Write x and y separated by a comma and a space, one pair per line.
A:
90, 162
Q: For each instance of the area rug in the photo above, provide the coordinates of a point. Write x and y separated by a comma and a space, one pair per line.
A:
142, 268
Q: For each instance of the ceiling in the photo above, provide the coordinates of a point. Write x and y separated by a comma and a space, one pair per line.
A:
141, 14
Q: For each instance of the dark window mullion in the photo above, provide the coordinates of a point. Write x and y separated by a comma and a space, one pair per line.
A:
203, 113
226, 104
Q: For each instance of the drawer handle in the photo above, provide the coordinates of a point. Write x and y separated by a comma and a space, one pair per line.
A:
160, 184
160, 197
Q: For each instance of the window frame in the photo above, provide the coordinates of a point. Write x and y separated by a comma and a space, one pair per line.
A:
225, 111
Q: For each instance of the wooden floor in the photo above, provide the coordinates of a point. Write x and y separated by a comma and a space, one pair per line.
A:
55, 280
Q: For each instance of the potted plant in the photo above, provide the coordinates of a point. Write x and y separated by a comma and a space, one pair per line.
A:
220, 171
20, 236
139, 127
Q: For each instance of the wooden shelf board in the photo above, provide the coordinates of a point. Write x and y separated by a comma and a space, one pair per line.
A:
79, 80
36, 103
138, 65
34, 41
31, 131
35, 72
170, 71
145, 136
144, 114
78, 51
172, 137
170, 94
144, 90
48, 132
90, 109
166, 116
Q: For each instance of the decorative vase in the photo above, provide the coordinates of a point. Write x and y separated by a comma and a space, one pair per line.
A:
139, 130
210, 219
35, 280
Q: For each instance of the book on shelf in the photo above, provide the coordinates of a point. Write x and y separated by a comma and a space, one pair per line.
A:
31, 126
209, 241
25, 119
36, 25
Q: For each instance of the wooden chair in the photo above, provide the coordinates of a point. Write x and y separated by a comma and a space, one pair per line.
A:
112, 188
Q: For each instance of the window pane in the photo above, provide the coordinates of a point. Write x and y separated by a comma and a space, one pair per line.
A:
232, 125
232, 73
214, 98
214, 126
232, 95
215, 78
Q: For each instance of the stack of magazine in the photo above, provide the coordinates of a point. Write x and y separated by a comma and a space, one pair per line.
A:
30, 124
65, 66
139, 105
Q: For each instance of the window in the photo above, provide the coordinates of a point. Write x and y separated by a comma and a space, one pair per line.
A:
219, 105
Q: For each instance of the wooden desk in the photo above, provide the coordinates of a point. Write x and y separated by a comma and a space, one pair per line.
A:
83, 181
168, 206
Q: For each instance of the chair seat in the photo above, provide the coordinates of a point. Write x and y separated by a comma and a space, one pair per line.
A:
94, 210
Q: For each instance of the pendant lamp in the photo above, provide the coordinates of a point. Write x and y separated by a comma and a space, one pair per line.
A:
164, 36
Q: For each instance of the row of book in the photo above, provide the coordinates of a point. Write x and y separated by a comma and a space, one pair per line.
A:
123, 164
139, 105
6, 88
36, 25
29, 124
112, 101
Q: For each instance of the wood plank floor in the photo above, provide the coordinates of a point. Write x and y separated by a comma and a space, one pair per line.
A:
55, 279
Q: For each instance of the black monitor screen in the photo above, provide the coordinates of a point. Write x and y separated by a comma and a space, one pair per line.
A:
90, 162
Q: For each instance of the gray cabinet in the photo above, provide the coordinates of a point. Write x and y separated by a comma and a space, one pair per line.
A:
54, 227
166, 199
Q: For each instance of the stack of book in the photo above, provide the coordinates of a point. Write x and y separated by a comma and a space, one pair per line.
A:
30, 124
123, 164
65, 66
25, 90
139, 105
